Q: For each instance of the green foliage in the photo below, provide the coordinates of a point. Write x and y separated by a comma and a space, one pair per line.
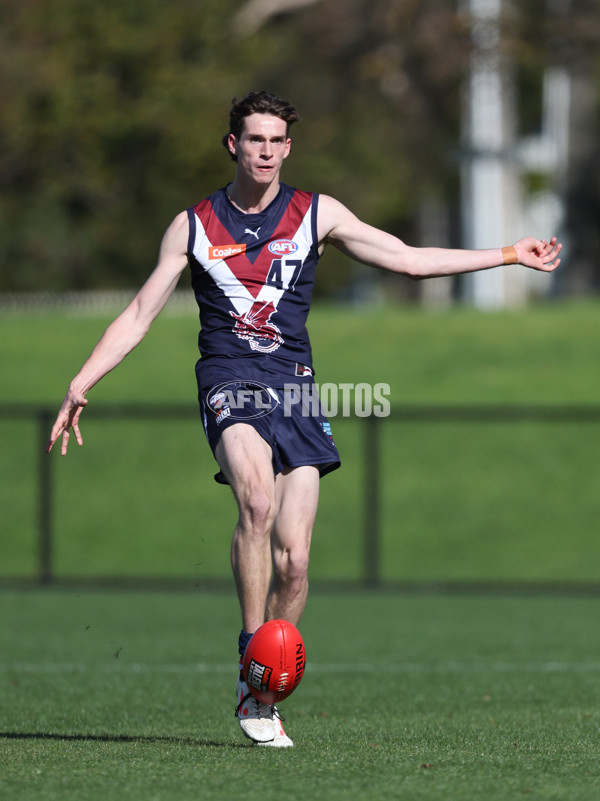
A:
455, 698
111, 127
112, 115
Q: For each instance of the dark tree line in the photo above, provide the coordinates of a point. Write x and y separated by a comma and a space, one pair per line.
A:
112, 115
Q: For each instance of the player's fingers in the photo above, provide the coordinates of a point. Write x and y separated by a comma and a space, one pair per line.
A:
553, 252
65, 442
57, 429
550, 266
544, 248
77, 433
51, 441
75, 425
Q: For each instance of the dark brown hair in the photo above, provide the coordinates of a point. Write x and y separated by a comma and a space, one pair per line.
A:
257, 103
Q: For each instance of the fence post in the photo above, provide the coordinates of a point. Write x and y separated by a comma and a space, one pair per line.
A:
44, 499
371, 537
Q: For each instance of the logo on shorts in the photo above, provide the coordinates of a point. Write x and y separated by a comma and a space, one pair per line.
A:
223, 414
242, 400
327, 429
218, 400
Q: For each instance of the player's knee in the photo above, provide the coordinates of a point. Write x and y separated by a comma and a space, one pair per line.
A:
257, 511
291, 567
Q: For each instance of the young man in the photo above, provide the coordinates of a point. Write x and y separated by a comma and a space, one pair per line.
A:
253, 248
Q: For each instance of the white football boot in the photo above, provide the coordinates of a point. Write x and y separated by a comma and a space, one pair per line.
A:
256, 720
281, 740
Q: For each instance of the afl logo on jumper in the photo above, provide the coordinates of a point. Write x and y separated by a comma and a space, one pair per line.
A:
283, 247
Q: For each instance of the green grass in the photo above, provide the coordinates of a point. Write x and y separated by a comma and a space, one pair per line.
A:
460, 501
543, 354
106, 695
112, 694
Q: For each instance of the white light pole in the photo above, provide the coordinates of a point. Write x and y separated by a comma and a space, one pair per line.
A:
488, 182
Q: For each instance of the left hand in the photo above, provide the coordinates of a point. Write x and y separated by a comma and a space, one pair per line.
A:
538, 254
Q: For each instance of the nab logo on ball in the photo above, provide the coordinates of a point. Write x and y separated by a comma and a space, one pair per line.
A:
274, 661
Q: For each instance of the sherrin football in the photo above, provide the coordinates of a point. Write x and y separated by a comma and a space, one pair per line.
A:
274, 661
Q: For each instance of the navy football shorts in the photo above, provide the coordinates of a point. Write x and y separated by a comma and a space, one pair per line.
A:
282, 407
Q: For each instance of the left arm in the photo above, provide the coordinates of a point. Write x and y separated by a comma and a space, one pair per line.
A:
341, 228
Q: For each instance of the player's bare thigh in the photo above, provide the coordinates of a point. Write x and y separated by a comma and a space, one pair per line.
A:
297, 499
245, 459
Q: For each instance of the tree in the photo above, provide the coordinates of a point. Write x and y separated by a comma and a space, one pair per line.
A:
111, 121
112, 115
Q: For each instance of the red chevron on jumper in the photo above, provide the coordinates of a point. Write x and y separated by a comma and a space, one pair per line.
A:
251, 273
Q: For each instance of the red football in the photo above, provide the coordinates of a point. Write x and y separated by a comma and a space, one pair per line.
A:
274, 661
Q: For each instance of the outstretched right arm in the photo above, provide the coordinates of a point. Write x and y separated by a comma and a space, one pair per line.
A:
125, 332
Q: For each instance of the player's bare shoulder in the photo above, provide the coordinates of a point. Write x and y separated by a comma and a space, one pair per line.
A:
330, 215
331, 218
176, 236
173, 251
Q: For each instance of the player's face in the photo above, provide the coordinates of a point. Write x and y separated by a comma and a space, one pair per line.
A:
261, 147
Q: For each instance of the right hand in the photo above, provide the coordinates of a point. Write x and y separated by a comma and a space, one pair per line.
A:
67, 419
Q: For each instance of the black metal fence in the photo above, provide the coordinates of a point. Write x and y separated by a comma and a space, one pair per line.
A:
372, 433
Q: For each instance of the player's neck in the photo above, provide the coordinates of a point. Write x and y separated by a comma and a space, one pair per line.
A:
252, 199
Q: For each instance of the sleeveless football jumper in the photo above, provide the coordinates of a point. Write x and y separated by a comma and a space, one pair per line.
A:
253, 277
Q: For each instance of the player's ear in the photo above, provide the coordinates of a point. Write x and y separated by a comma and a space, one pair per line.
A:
232, 144
288, 147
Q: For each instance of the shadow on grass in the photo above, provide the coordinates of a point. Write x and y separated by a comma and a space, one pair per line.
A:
118, 738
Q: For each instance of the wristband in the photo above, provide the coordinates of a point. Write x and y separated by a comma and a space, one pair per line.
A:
509, 254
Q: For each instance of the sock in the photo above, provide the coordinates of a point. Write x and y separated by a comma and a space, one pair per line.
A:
243, 641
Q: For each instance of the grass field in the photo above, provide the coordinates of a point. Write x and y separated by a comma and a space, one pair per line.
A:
460, 501
414, 697
545, 354
111, 695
